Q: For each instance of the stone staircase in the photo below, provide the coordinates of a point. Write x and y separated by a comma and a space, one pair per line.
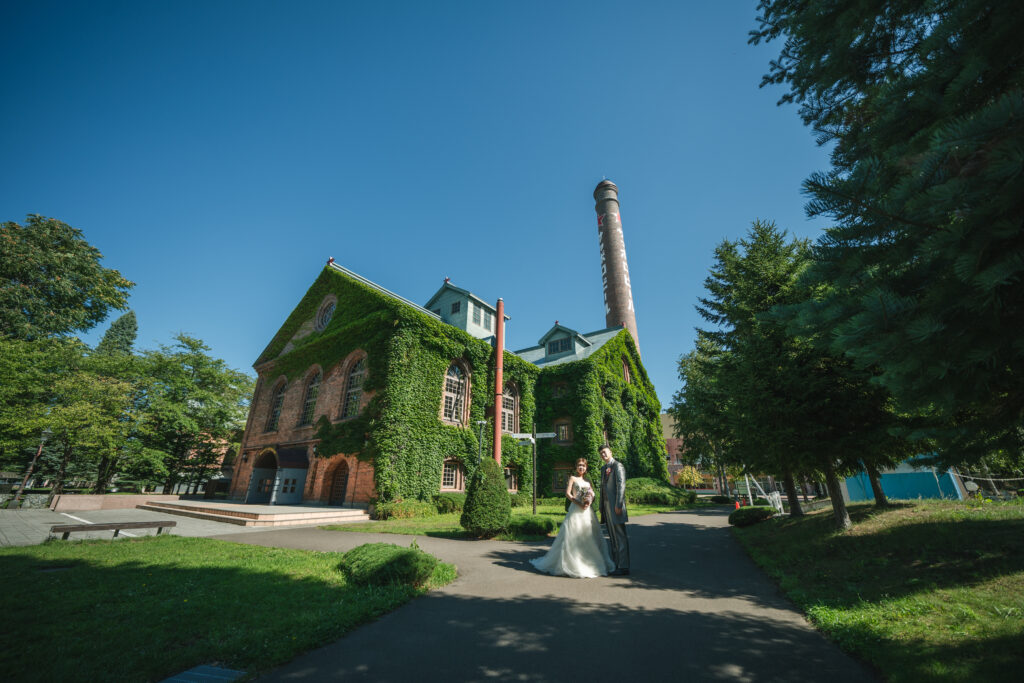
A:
259, 515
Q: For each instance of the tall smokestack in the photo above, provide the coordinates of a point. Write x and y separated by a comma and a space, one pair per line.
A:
618, 295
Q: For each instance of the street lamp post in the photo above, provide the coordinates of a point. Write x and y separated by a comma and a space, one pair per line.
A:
480, 441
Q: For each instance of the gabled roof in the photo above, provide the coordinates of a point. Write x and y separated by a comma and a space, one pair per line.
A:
448, 286
595, 340
556, 328
386, 292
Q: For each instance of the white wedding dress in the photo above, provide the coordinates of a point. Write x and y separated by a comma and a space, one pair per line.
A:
579, 550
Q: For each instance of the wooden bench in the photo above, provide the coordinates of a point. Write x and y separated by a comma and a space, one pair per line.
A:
67, 529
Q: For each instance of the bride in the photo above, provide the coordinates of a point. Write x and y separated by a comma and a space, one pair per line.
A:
580, 550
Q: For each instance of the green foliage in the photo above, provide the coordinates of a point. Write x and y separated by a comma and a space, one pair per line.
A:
193, 406
597, 400
529, 525
382, 564
520, 499
120, 336
721, 500
487, 508
404, 509
657, 492
407, 356
921, 272
450, 502
51, 280
747, 516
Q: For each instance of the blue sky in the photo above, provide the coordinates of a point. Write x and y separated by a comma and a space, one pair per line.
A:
218, 153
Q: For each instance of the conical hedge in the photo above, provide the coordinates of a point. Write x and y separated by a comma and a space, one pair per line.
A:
488, 507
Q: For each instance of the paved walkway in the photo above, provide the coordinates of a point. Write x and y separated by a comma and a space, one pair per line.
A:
695, 609
32, 526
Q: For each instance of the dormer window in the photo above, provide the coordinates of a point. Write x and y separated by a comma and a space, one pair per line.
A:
476, 314
559, 345
456, 306
488, 317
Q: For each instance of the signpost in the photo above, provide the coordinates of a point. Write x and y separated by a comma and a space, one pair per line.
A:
531, 439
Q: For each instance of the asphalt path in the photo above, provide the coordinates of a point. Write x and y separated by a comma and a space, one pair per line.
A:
694, 609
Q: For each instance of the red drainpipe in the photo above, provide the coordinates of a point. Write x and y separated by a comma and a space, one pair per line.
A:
499, 383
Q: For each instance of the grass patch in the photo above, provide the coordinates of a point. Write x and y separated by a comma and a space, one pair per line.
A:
447, 525
923, 591
148, 608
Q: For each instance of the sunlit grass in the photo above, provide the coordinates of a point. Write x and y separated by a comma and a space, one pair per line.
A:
147, 608
925, 591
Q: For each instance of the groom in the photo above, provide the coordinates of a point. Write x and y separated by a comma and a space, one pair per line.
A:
613, 509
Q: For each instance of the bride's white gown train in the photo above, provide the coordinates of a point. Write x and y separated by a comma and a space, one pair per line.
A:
579, 550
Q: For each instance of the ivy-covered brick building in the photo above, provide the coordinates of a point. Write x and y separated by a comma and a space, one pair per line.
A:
363, 394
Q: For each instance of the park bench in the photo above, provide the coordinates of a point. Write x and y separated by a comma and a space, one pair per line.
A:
67, 529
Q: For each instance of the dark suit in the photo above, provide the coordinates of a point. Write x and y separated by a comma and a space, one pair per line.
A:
613, 495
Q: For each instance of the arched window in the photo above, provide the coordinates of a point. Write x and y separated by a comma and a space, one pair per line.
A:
510, 409
456, 386
625, 370
453, 476
354, 389
309, 403
276, 401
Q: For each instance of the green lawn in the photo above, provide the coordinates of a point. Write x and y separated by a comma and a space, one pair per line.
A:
147, 608
447, 525
925, 591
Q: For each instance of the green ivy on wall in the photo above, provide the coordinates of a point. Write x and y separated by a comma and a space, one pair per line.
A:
407, 356
598, 398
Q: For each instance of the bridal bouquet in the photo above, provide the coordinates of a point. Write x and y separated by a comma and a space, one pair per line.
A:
587, 496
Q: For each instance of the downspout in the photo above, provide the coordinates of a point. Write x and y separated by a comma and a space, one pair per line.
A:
499, 367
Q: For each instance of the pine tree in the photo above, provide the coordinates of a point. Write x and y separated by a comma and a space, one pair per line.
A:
120, 336
924, 104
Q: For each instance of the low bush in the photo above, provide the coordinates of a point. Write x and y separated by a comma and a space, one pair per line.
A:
721, 500
750, 515
449, 502
532, 525
381, 564
657, 492
405, 509
518, 500
760, 501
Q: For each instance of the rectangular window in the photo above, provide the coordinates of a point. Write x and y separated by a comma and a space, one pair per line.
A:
487, 319
559, 480
476, 314
456, 306
511, 479
559, 345
563, 432
437, 310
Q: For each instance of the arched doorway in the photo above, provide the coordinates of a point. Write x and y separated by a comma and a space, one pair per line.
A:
339, 483
261, 483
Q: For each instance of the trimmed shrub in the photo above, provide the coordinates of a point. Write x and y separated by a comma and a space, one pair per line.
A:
760, 501
487, 508
405, 509
381, 564
449, 502
721, 500
518, 500
750, 515
532, 524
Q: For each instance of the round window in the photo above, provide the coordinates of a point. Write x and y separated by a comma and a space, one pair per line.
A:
325, 314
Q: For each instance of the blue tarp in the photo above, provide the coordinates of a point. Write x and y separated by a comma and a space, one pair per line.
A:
905, 485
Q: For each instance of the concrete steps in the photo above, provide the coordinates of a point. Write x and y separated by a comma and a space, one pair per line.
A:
259, 515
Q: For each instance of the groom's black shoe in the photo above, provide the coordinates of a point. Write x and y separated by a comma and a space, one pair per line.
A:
620, 572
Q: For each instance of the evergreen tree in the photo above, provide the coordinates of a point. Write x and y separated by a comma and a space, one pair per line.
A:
120, 336
924, 104
51, 280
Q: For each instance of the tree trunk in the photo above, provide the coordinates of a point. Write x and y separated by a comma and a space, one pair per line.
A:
836, 494
58, 485
795, 510
876, 486
803, 489
103, 474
